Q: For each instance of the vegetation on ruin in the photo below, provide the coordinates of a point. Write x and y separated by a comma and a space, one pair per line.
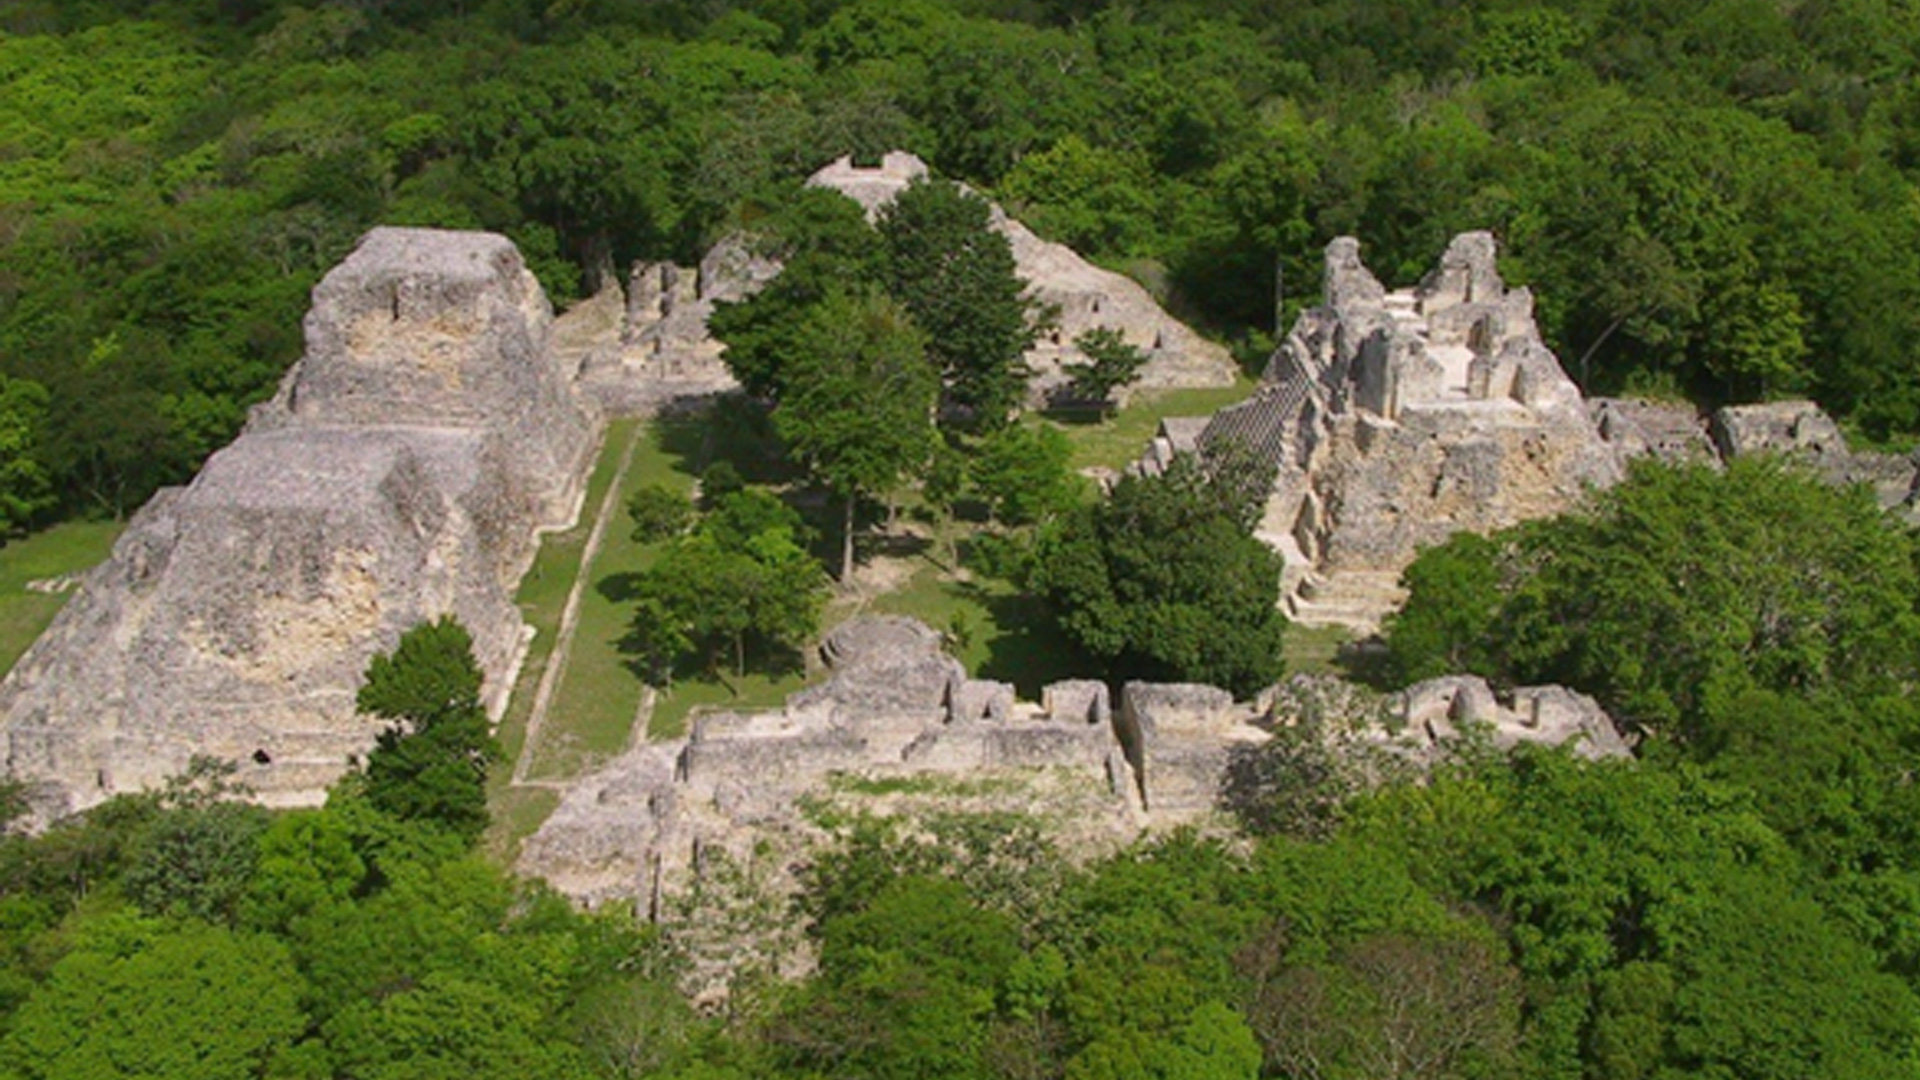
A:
1713, 199
429, 764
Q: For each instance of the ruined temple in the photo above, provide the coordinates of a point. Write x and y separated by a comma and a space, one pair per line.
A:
400, 474
1389, 421
898, 707
1080, 295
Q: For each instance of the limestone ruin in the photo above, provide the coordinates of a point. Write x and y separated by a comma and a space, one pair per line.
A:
401, 473
1391, 420
898, 707
1081, 295
657, 350
436, 424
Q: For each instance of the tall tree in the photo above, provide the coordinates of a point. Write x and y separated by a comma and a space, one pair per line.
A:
957, 278
824, 244
1165, 580
860, 401
430, 764
25, 487
743, 577
199, 1003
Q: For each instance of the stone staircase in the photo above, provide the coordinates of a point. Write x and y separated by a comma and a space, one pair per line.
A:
1358, 599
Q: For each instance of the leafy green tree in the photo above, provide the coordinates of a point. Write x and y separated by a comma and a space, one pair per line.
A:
1451, 626
446, 1028
1684, 588
1110, 364
542, 132
1395, 1005
658, 512
1605, 866
1022, 472
1163, 581
430, 764
26, 489
743, 577
859, 406
718, 481
197, 861
136, 1000
908, 985
307, 864
1530, 41
701, 594
824, 245
1095, 199
955, 276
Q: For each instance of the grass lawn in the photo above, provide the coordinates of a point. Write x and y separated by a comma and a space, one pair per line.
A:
543, 592
1001, 634
1316, 649
997, 632
673, 708
1114, 443
66, 548
594, 706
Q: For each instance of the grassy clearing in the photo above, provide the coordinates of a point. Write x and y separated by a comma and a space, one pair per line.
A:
66, 548
1114, 443
997, 632
599, 697
543, 592
518, 813
1316, 649
674, 708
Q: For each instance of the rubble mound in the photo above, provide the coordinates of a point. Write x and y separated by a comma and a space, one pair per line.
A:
400, 474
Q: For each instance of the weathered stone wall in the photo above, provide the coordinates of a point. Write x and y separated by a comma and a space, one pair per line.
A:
661, 352
1390, 420
400, 475
1161, 758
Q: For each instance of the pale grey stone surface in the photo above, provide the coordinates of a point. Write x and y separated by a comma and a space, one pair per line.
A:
1391, 420
399, 475
1439, 711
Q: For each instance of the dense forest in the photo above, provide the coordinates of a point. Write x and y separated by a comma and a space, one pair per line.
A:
1715, 200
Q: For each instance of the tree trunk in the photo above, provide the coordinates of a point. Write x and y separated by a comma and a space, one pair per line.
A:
846, 543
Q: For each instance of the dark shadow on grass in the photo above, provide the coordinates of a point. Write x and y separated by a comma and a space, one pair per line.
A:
1076, 416
896, 545
1367, 662
1029, 649
734, 429
698, 667
619, 587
